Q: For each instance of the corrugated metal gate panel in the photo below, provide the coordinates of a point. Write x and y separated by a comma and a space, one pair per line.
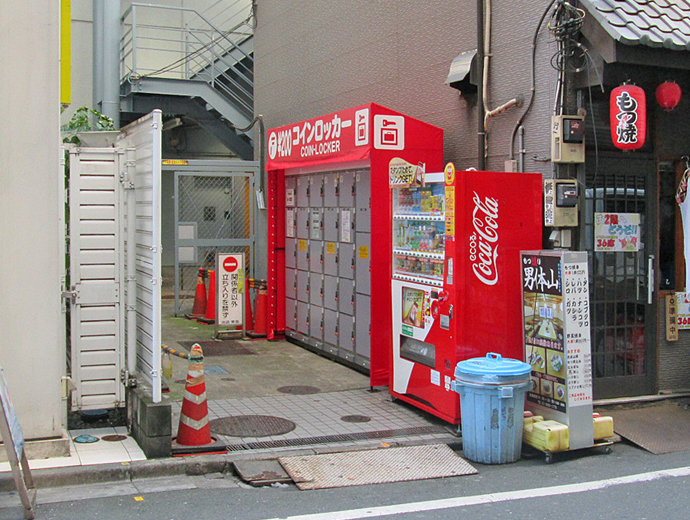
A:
144, 137
96, 318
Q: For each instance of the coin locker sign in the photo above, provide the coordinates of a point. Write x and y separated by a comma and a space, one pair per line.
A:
230, 288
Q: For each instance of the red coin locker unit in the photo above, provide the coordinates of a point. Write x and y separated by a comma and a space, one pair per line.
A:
329, 233
455, 287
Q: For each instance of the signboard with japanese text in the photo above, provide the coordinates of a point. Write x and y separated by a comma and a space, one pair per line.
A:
671, 317
556, 318
617, 232
230, 290
683, 310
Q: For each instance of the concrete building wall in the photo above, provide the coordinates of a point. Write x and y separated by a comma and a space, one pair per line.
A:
314, 57
32, 348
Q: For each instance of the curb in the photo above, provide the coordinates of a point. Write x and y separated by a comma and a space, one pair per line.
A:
191, 465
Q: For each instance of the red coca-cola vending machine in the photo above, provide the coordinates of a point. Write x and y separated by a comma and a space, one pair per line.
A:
455, 288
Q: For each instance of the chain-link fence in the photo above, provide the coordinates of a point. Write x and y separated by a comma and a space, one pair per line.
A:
213, 214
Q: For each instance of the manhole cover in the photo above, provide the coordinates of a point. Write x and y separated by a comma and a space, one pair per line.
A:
113, 438
355, 418
85, 439
299, 390
251, 426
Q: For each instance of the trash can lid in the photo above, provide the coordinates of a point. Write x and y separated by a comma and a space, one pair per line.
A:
492, 365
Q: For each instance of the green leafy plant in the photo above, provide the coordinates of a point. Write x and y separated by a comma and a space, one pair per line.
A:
81, 122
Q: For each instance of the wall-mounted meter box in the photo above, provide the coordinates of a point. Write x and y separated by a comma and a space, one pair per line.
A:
567, 139
560, 202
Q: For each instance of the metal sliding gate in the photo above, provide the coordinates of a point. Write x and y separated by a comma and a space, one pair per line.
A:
214, 213
115, 267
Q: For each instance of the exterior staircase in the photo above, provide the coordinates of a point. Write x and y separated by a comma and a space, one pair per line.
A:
181, 61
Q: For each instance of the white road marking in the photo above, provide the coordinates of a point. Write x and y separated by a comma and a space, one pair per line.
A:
491, 498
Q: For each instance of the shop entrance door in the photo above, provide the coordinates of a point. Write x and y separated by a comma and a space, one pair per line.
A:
623, 288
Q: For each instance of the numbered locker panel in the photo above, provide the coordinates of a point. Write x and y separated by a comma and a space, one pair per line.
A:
346, 225
302, 188
363, 330
316, 256
346, 261
362, 263
330, 330
346, 190
330, 292
291, 283
346, 296
290, 314
303, 254
330, 190
363, 201
316, 289
346, 340
291, 253
316, 190
330, 224
302, 286
330, 258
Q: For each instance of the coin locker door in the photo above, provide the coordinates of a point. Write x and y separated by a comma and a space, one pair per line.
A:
330, 224
290, 192
346, 190
362, 263
290, 283
290, 314
330, 329
330, 292
346, 337
303, 223
316, 258
346, 225
303, 318
346, 261
346, 296
303, 286
302, 188
315, 326
316, 289
363, 201
316, 223
303, 254
330, 190
316, 190
330, 258
291, 253
362, 330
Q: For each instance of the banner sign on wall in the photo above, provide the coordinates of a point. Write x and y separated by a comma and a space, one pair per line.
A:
683, 310
617, 232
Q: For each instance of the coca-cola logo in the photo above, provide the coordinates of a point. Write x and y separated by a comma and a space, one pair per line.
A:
484, 240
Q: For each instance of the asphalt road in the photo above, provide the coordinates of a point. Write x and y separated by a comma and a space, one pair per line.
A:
626, 484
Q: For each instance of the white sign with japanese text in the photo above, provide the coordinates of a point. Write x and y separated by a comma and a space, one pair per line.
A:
683, 310
230, 289
617, 232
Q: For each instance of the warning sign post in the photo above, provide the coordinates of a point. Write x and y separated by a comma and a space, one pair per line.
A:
230, 288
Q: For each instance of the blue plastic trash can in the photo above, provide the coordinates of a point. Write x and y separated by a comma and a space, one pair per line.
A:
492, 401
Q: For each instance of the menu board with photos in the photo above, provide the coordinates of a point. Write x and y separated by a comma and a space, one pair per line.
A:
556, 318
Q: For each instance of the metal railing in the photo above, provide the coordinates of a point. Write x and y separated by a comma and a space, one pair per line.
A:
180, 43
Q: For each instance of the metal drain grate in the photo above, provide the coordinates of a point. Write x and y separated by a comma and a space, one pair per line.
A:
330, 439
251, 426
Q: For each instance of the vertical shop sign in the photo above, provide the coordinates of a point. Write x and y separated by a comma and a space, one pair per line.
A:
230, 288
671, 317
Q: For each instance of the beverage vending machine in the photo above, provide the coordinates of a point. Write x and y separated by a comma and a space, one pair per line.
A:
456, 289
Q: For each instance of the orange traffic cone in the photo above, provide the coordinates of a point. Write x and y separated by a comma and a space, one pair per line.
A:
200, 301
194, 428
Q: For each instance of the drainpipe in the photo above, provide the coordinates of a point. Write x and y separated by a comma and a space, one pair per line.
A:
111, 61
131, 274
97, 87
481, 134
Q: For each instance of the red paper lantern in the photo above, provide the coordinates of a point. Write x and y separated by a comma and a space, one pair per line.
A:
668, 95
628, 117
